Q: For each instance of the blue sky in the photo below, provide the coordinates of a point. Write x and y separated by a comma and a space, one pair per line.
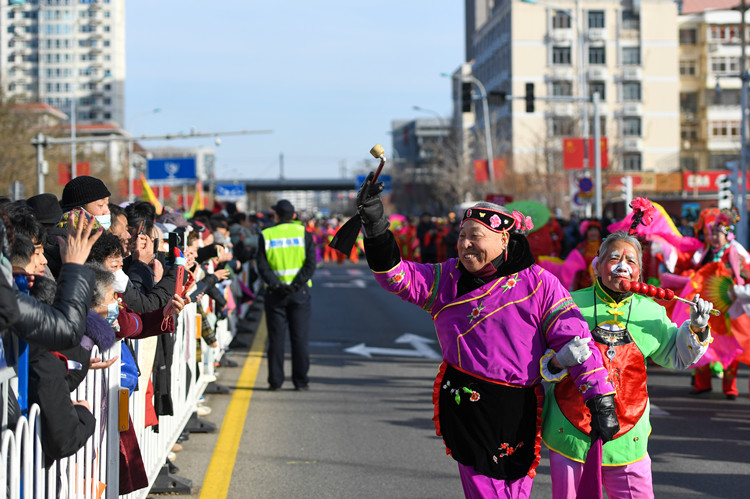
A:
326, 76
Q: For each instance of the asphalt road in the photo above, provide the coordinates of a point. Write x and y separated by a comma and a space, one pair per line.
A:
364, 430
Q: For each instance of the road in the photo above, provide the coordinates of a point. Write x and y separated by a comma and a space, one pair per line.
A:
364, 429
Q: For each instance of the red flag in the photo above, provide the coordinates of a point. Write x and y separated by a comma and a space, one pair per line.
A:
481, 174
573, 153
603, 151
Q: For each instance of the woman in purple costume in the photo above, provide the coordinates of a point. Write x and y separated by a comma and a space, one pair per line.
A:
495, 314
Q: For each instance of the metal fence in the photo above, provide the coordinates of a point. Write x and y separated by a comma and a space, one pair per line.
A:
93, 471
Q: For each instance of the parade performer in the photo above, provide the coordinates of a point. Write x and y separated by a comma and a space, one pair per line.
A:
588, 248
627, 330
495, 314
723, 259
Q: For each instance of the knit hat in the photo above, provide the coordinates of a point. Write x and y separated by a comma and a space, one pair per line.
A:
46, 208
83, 190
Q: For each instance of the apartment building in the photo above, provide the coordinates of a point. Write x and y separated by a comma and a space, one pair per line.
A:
625, 50
710, 114
69, 54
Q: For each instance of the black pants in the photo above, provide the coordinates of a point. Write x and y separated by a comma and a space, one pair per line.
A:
293, 312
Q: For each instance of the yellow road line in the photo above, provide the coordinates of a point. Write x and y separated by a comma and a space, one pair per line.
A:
219, 473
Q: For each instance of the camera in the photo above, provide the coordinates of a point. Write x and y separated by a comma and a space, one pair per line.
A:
177, 239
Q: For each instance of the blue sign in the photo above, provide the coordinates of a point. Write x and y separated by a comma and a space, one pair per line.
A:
230, 192
585, 184
171, 171
386, 179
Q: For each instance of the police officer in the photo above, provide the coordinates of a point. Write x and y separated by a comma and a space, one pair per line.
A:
286, 262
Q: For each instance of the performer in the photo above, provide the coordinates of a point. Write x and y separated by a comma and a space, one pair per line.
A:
627, 329
728, 257
588, 248
495, 314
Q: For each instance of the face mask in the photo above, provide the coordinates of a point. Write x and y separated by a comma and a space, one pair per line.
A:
113, 310
104, 220
121, 281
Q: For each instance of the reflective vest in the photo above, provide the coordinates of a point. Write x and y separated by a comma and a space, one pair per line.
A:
285, 250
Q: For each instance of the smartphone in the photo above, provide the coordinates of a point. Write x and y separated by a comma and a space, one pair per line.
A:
180, 281
199, 290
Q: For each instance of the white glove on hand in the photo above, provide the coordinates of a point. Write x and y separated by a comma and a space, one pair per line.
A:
742, 293
700, 311
575, 352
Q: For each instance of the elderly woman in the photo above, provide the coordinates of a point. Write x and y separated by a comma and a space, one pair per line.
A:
495, 314
627, 329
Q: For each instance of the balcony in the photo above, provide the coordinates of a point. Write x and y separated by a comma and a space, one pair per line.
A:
597, 73
632, 73
563, 73
632, 144
561, 36
632, 109
596, 34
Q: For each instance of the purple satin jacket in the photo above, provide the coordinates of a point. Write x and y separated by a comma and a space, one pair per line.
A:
501, 330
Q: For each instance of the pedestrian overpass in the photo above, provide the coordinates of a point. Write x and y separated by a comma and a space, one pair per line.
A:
291, 184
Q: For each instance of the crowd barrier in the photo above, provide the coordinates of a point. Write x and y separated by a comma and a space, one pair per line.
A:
93, 472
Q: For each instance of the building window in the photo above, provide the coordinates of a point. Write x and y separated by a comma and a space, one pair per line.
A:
631, 126
631, 91
596, 19
561, 55
689, 131
724, 65
560, 20
631, 19
562, 88
688, 163
598, 86
631, 56
725, 129
689, 102
726, 97
719, 161
688, 36
562, 127
597, 55
688, 67
631, 161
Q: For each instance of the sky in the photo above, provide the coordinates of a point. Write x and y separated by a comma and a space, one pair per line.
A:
327, 77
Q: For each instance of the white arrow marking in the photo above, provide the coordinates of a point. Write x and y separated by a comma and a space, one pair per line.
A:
421, 349
354, 283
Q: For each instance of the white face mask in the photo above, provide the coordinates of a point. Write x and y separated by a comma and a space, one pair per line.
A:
121, 281
104, 220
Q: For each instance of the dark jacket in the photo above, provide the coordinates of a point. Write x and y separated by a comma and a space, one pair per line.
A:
8, 304
62, 324
157, 298
52, 249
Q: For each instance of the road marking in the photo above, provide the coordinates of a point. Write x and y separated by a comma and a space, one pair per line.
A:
420, 348
219, 472
354, 283
658, 411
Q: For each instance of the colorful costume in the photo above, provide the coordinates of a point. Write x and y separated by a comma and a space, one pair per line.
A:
487, 395
626, 332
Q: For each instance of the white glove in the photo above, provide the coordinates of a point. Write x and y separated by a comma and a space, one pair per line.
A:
121, 281
700, 312
742, 293
575, 352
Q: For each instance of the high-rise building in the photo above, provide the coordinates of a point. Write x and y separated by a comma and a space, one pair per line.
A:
625, 50
69, 54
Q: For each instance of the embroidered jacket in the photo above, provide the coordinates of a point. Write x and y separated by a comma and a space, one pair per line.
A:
655, 337
501, 329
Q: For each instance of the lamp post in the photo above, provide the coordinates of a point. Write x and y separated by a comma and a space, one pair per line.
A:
131, 162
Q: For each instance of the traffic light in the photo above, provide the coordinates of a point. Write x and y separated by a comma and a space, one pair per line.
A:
466, 97
496, 98
627, 189
727, 191
529, 97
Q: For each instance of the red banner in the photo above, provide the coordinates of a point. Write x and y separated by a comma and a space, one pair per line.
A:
63, 171
501, 199
573, 153
704, 181
481, 173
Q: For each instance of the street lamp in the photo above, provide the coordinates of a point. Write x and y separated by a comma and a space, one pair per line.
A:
486, 112
131, 162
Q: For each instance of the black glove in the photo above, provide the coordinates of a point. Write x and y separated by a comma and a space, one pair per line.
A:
370, 207
604, 422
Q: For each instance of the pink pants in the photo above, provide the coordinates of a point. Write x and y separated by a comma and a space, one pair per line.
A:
478, 486
631, 481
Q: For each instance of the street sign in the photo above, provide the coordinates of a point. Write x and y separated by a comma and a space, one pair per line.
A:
171, 171
230, 192
386, 179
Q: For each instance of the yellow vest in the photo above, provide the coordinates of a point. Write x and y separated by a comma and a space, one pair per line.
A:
285, 250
